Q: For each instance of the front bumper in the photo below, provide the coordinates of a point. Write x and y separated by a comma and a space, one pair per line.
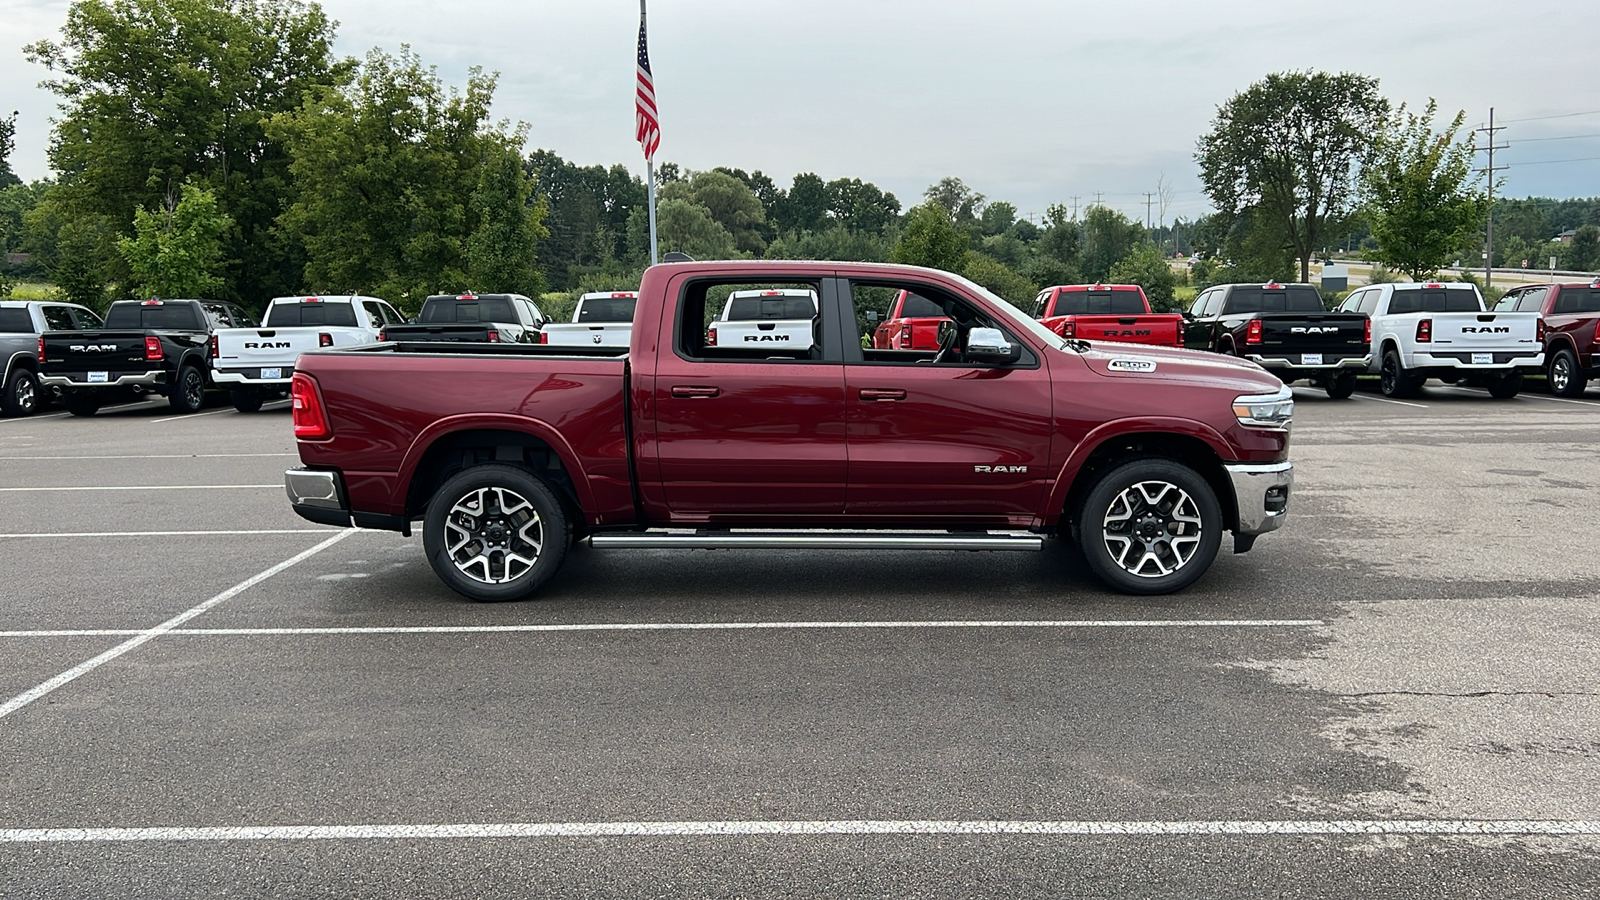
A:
1261, 494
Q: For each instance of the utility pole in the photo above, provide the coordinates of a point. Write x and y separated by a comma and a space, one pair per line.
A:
1149, 201
1489, 170
1074, 207
1097, 196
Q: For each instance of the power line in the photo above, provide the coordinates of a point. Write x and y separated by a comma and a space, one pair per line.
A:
1569, 137
1549, 162
1592, 112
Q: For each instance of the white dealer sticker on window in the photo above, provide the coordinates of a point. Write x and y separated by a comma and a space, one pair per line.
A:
1129, 364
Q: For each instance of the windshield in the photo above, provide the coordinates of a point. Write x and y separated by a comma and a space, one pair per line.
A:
1435, 300
1018, 319
288, 315
1119, 303
135, 314
607, 309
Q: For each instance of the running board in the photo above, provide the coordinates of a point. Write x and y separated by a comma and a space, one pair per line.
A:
663, 540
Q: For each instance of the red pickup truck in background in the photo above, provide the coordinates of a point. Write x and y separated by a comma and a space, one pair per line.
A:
1571, 330
1107, 312
912, 324
1006, 435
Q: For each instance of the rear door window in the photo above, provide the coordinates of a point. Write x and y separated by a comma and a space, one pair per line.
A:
58, 318
15, 320
1578, 300
86, 320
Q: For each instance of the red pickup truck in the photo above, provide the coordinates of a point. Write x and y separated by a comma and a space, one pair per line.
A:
1107, 312
912, 324
1571, 330
1006, 435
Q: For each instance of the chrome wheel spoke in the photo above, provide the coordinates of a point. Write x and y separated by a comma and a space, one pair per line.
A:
493, 535
1152, 529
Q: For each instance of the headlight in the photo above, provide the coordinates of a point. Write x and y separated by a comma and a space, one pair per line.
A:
1265, 410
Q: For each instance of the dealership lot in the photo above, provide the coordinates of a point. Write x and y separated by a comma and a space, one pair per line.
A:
1395, 695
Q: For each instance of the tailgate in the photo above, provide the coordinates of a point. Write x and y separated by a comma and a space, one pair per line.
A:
1150, 328
793, 333
1485, 331
1334, 334
612, 334
256, 347
95, 351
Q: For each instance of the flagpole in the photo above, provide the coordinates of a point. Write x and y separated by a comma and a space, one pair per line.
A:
650, 167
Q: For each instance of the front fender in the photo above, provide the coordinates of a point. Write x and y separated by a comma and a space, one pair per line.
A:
1164, 426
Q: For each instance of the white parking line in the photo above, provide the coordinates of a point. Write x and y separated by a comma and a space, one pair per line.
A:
214, 412
143, 637
144, 487
142, 534
1480, 392
697, 626
1258, 827
1387, 400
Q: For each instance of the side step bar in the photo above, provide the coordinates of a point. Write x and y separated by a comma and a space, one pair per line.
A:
753, 540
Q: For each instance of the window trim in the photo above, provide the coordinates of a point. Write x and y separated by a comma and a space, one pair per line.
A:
828, 337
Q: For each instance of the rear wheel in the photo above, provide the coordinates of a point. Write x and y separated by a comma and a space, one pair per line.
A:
1566, 378
21, 396
80, 405
1392, 378
1150, 526
495, 533
189, 390
1342, 385
246, 401
1506, 386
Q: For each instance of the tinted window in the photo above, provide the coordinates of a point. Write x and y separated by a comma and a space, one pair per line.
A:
58, 318
1434, 300
1574, 300
917, 306
450, 311
1369, 302
1116, 303
745, 309
1290, 299
86, 319
288, 315
607, 309
15, 320
135, 315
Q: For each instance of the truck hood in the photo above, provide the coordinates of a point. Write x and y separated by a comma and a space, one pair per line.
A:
1162, 364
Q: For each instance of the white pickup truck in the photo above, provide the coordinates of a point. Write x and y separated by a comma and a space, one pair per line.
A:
603, 319
770, 319
257, 363
1441, 330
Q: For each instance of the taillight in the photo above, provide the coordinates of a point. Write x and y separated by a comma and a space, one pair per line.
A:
41, 349
1538, 331
152, 350
216, 350
1067, 329
1424, 331
905, 335
711, 337
493, 336
1596, 338
1366, 331
324, 339
1252, 332
544, 338
381, 336
310, 421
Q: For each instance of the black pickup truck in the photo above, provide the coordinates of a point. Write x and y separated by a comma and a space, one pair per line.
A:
475, 318
1285, 329
147, 346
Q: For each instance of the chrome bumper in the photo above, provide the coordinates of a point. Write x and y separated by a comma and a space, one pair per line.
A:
145, 379
1279, 362
222, 376
309, 487
1261, 494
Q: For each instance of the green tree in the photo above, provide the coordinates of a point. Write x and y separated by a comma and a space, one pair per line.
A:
176, 249
805, 206
1148, 268
8, 142
1583, 254
158, 93
82, 247
860, 205
1421, 198
998, 277
1286, 147
960, 202
1108, 236
838, 242
506, 230
931, 239
688, 227
997, 218
730, 202
587, 210
397, 177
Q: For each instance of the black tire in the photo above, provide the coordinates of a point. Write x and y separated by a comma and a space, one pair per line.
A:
246, 401
495, 573
1132, 510
21, 396
1341, 386
1506, 386
1392, 378
1566, 376
188, 390
80, 405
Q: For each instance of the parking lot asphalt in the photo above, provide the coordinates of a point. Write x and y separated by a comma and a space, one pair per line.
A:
1395, 695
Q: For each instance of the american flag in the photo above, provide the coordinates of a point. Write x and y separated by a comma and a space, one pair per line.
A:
649, 131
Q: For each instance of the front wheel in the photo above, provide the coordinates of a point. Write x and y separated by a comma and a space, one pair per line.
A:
1150, 526
189, 391
1566, 378
1506, 386
1341, 386
21, 396
495, 533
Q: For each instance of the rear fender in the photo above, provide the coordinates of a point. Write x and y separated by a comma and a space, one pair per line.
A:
535, 428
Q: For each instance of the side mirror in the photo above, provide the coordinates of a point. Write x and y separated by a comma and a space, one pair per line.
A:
872, 315
1188, 316
989, 345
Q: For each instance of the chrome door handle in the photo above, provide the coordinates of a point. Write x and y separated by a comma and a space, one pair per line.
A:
687, 392
882, 394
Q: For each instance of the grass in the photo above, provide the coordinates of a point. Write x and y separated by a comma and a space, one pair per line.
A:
34, 290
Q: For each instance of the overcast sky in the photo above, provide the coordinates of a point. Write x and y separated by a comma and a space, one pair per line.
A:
1030, 101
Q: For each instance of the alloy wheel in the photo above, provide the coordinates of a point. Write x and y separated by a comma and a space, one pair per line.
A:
1152, 529
1560, 374
493, 535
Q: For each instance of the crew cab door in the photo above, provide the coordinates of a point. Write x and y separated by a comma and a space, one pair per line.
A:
948, 438
747, 430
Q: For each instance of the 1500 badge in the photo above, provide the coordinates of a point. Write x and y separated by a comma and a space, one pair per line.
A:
1125, 364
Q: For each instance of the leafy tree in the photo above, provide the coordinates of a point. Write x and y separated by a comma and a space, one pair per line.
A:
1583, 254
860, 205
1148, 268
500, 248
805, 206
1063, 242
587, 211
837, 242
1000, 278
392, 182
1286, 148
176, 249
8, 142
1108, 236
157, 93
931, 239
1513, 251
15, 203
962, 203
82, 247
1420, 194
731, 203
997, 217
688, 227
